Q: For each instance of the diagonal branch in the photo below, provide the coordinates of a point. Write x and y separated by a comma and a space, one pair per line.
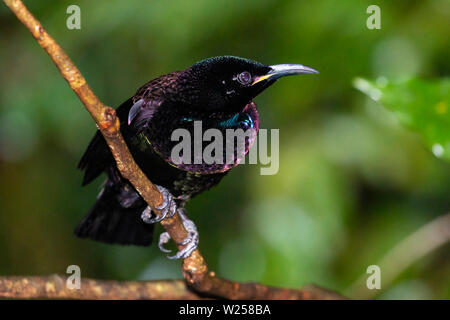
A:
194, 268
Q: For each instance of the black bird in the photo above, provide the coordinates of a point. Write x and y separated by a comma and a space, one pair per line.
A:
216, 91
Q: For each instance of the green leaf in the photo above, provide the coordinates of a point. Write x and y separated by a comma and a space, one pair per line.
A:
422, 105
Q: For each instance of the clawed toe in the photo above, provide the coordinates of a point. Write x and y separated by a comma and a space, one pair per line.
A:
167, 208
163, 239
190, 242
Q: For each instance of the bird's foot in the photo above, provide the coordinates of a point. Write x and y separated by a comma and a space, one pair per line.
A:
190, 242
167, 208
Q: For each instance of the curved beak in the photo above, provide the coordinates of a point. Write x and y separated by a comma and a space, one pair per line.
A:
280, 70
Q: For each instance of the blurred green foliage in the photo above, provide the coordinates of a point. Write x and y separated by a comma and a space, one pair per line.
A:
352, 183
421, 105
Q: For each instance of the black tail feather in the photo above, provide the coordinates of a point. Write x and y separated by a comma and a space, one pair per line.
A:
116, 216
110, 222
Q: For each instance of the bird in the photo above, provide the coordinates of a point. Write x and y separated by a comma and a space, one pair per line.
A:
216, 93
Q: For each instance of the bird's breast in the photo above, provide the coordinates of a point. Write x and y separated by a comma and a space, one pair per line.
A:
204, 144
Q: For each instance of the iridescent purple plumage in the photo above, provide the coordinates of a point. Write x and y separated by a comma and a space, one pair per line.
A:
216, 91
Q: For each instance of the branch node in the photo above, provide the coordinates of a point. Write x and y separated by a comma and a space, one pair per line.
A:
109, 122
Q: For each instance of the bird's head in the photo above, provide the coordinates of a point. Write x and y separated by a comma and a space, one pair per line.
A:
228, 83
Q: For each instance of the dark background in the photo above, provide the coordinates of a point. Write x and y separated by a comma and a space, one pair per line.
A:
352, 182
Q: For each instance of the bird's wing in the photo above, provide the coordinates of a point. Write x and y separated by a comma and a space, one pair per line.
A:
133, 119
142, 112
134, 115
148, 99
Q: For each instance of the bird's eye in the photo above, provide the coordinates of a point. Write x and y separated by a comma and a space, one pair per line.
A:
244, 77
